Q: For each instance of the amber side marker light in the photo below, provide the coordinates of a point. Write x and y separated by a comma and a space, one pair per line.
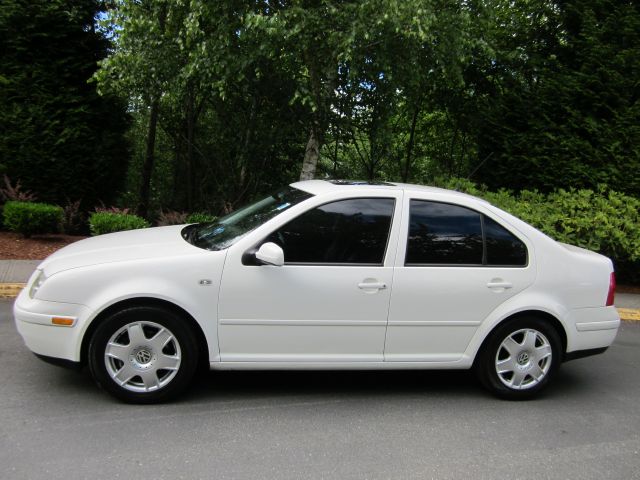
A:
66, 322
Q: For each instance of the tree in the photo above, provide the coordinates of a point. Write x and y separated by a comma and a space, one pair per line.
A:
564, 110
57, 135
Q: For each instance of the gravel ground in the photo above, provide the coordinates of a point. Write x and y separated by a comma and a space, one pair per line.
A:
15, 247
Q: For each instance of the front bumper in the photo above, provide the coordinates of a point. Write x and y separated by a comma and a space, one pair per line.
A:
33, 320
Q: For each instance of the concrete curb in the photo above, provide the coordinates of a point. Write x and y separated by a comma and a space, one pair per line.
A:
11, 290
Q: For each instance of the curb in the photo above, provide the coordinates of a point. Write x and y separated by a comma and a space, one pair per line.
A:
11, 290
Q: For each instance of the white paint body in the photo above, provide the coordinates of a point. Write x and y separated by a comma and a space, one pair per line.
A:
317, 316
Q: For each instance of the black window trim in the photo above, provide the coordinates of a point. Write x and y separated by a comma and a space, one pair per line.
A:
248, 258
484, 243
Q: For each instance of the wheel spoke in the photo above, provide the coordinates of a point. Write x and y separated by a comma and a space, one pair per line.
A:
518, 378
149, 379
167, 362
136, 334
115, 350
506, 365
511, 346
161, 339
125, 374
530, 340
536, 372
542, 352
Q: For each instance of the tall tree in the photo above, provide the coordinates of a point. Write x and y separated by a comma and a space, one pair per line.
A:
564, 110
57, 135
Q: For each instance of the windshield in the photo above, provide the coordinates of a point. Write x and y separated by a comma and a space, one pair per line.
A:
227, 230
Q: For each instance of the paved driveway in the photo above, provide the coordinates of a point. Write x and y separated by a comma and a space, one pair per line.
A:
55, 424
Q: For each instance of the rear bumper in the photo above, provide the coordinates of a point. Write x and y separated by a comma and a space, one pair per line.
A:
594, 329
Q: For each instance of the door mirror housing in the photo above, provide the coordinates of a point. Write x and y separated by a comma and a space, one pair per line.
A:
270, 254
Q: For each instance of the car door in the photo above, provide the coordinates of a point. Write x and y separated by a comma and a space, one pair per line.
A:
329, 301
456, 264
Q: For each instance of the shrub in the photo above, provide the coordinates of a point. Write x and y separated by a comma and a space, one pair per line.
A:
171, 217
30, 218
10, 193
108, 222
604, 221
200, 217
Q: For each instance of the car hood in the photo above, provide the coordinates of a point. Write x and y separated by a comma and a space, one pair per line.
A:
159, 242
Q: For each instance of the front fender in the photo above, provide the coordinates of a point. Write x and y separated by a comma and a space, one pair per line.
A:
175, 280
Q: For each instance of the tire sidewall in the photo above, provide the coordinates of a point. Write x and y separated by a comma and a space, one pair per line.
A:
178, 327
485, 366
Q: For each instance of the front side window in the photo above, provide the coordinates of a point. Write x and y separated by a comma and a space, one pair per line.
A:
445, 234
229, 229
353, 231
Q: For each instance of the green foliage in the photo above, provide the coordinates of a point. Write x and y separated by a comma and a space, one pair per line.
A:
30, 218
604, 221
58, 137
108, 222
200, 217
562, 107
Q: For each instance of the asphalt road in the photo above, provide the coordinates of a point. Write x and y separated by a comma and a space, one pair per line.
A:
56, 423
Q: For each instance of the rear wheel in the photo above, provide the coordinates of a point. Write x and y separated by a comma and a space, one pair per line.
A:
143, 354
519, 358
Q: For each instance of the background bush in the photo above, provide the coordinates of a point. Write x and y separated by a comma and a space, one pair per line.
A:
604, 221
108, 222
29, 218
201, 217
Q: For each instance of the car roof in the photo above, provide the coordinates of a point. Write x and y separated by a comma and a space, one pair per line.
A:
319, 187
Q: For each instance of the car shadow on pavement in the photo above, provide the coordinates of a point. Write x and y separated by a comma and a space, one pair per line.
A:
236, 384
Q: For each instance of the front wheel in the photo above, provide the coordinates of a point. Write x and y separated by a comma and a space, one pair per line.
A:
143, 355
519, 358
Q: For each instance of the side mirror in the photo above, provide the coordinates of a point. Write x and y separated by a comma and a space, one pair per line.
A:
270, 254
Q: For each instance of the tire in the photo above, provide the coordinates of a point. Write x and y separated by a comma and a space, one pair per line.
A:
143, 355
519, 358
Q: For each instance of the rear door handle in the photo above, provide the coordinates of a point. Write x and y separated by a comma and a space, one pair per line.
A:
500, 285
372, 285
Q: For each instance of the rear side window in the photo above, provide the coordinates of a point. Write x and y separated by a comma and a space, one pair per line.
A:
503, 248
353, 231
446, 234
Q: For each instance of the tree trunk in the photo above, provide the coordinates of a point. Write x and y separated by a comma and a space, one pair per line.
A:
311, 156
190, 159
412, 135
149, 160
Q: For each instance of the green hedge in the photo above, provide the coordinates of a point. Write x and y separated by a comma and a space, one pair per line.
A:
29, 218
108, 222
604, 221
200, 217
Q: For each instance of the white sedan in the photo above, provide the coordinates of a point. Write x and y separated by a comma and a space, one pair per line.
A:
323, 275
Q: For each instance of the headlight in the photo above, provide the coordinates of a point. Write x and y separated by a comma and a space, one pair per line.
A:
37, 283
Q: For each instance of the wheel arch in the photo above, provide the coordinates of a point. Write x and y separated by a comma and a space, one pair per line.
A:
554, 322
146, 302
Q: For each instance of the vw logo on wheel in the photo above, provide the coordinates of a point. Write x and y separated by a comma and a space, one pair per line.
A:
523, 358
143, 356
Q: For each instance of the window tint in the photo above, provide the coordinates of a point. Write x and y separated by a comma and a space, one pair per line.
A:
503, 248
347, 231
444, 234
440, 233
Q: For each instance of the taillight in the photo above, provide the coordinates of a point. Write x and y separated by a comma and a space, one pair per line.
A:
612, 289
